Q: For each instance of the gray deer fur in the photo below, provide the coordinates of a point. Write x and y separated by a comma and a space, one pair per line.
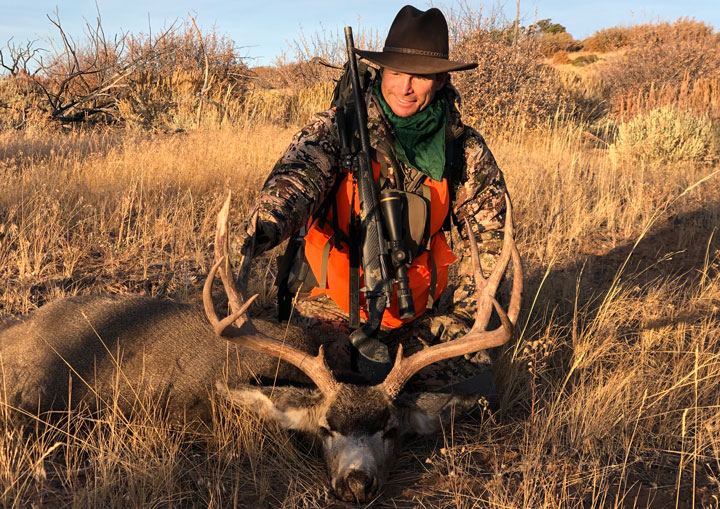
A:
166, 351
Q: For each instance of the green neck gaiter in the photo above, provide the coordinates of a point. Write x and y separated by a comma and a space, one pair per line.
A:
419, 138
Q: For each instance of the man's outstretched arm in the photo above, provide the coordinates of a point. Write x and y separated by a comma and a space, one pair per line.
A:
298, 184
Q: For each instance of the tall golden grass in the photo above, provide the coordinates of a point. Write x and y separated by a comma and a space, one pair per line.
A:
608, 395
701, 96
609, 392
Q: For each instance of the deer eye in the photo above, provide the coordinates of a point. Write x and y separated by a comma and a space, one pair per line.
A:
324, 432
390, 434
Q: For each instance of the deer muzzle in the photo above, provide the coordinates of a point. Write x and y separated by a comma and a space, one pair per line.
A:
356, 486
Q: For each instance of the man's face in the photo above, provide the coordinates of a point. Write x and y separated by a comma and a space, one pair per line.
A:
406, 94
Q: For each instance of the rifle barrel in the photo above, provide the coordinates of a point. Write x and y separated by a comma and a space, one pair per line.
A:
378, 284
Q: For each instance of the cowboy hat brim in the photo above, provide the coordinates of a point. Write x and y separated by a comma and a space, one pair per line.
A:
412, 63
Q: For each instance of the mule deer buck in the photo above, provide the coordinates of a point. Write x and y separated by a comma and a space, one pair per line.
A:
111, 346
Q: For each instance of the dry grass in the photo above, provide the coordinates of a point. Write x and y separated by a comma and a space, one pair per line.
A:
167, 80
643, 34
662, 55
285, 106
107, 460
701, 96
118, 211
609, 394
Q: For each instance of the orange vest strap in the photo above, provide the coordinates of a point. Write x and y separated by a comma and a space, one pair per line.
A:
325, 257
427, 194
433, 279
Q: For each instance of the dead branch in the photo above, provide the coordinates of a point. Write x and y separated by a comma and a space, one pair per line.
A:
20, 57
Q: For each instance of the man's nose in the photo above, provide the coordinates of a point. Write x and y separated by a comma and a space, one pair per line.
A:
407, 85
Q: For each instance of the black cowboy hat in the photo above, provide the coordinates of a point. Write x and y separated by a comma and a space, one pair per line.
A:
417, 43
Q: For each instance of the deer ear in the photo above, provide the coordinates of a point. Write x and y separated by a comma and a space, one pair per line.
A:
291, 407
422, 413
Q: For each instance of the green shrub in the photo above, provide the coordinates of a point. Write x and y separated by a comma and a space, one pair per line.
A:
585, 60
665, 135
546, 26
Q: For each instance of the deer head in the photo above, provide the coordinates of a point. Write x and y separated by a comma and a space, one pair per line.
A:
359, 425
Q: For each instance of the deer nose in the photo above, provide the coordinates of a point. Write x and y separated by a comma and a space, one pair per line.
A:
357, 486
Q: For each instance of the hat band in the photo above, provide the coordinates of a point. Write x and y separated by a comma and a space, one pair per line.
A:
411, 51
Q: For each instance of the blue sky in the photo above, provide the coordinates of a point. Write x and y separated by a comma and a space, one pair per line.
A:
263, 28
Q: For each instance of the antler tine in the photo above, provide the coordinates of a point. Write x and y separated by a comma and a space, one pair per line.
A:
235, 297
485, 304
477, 338
245, 334
517, 288
225, 326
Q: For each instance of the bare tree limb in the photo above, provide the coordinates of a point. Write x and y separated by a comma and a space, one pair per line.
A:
20, 57
201, 95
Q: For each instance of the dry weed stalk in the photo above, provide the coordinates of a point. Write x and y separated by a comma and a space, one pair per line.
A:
701, 96
143, 80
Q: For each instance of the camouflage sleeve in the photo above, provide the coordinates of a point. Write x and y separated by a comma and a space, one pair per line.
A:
298, 183
479, 198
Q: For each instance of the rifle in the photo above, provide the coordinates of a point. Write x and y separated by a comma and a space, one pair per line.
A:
378, 282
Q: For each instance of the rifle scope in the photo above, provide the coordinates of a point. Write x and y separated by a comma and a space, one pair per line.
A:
391, 204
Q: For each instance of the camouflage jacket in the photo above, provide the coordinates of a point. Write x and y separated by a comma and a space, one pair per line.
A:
304, 176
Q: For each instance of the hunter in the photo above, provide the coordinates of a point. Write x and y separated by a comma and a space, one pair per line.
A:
446, 173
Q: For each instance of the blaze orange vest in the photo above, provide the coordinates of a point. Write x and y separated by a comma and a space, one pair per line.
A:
331, 265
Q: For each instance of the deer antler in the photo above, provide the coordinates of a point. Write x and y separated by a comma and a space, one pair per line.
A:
477, 338
244, 332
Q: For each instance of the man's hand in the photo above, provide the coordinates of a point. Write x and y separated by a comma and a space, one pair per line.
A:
447, 327
266, 235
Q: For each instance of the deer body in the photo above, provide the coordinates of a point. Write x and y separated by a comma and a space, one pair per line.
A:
91, 349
